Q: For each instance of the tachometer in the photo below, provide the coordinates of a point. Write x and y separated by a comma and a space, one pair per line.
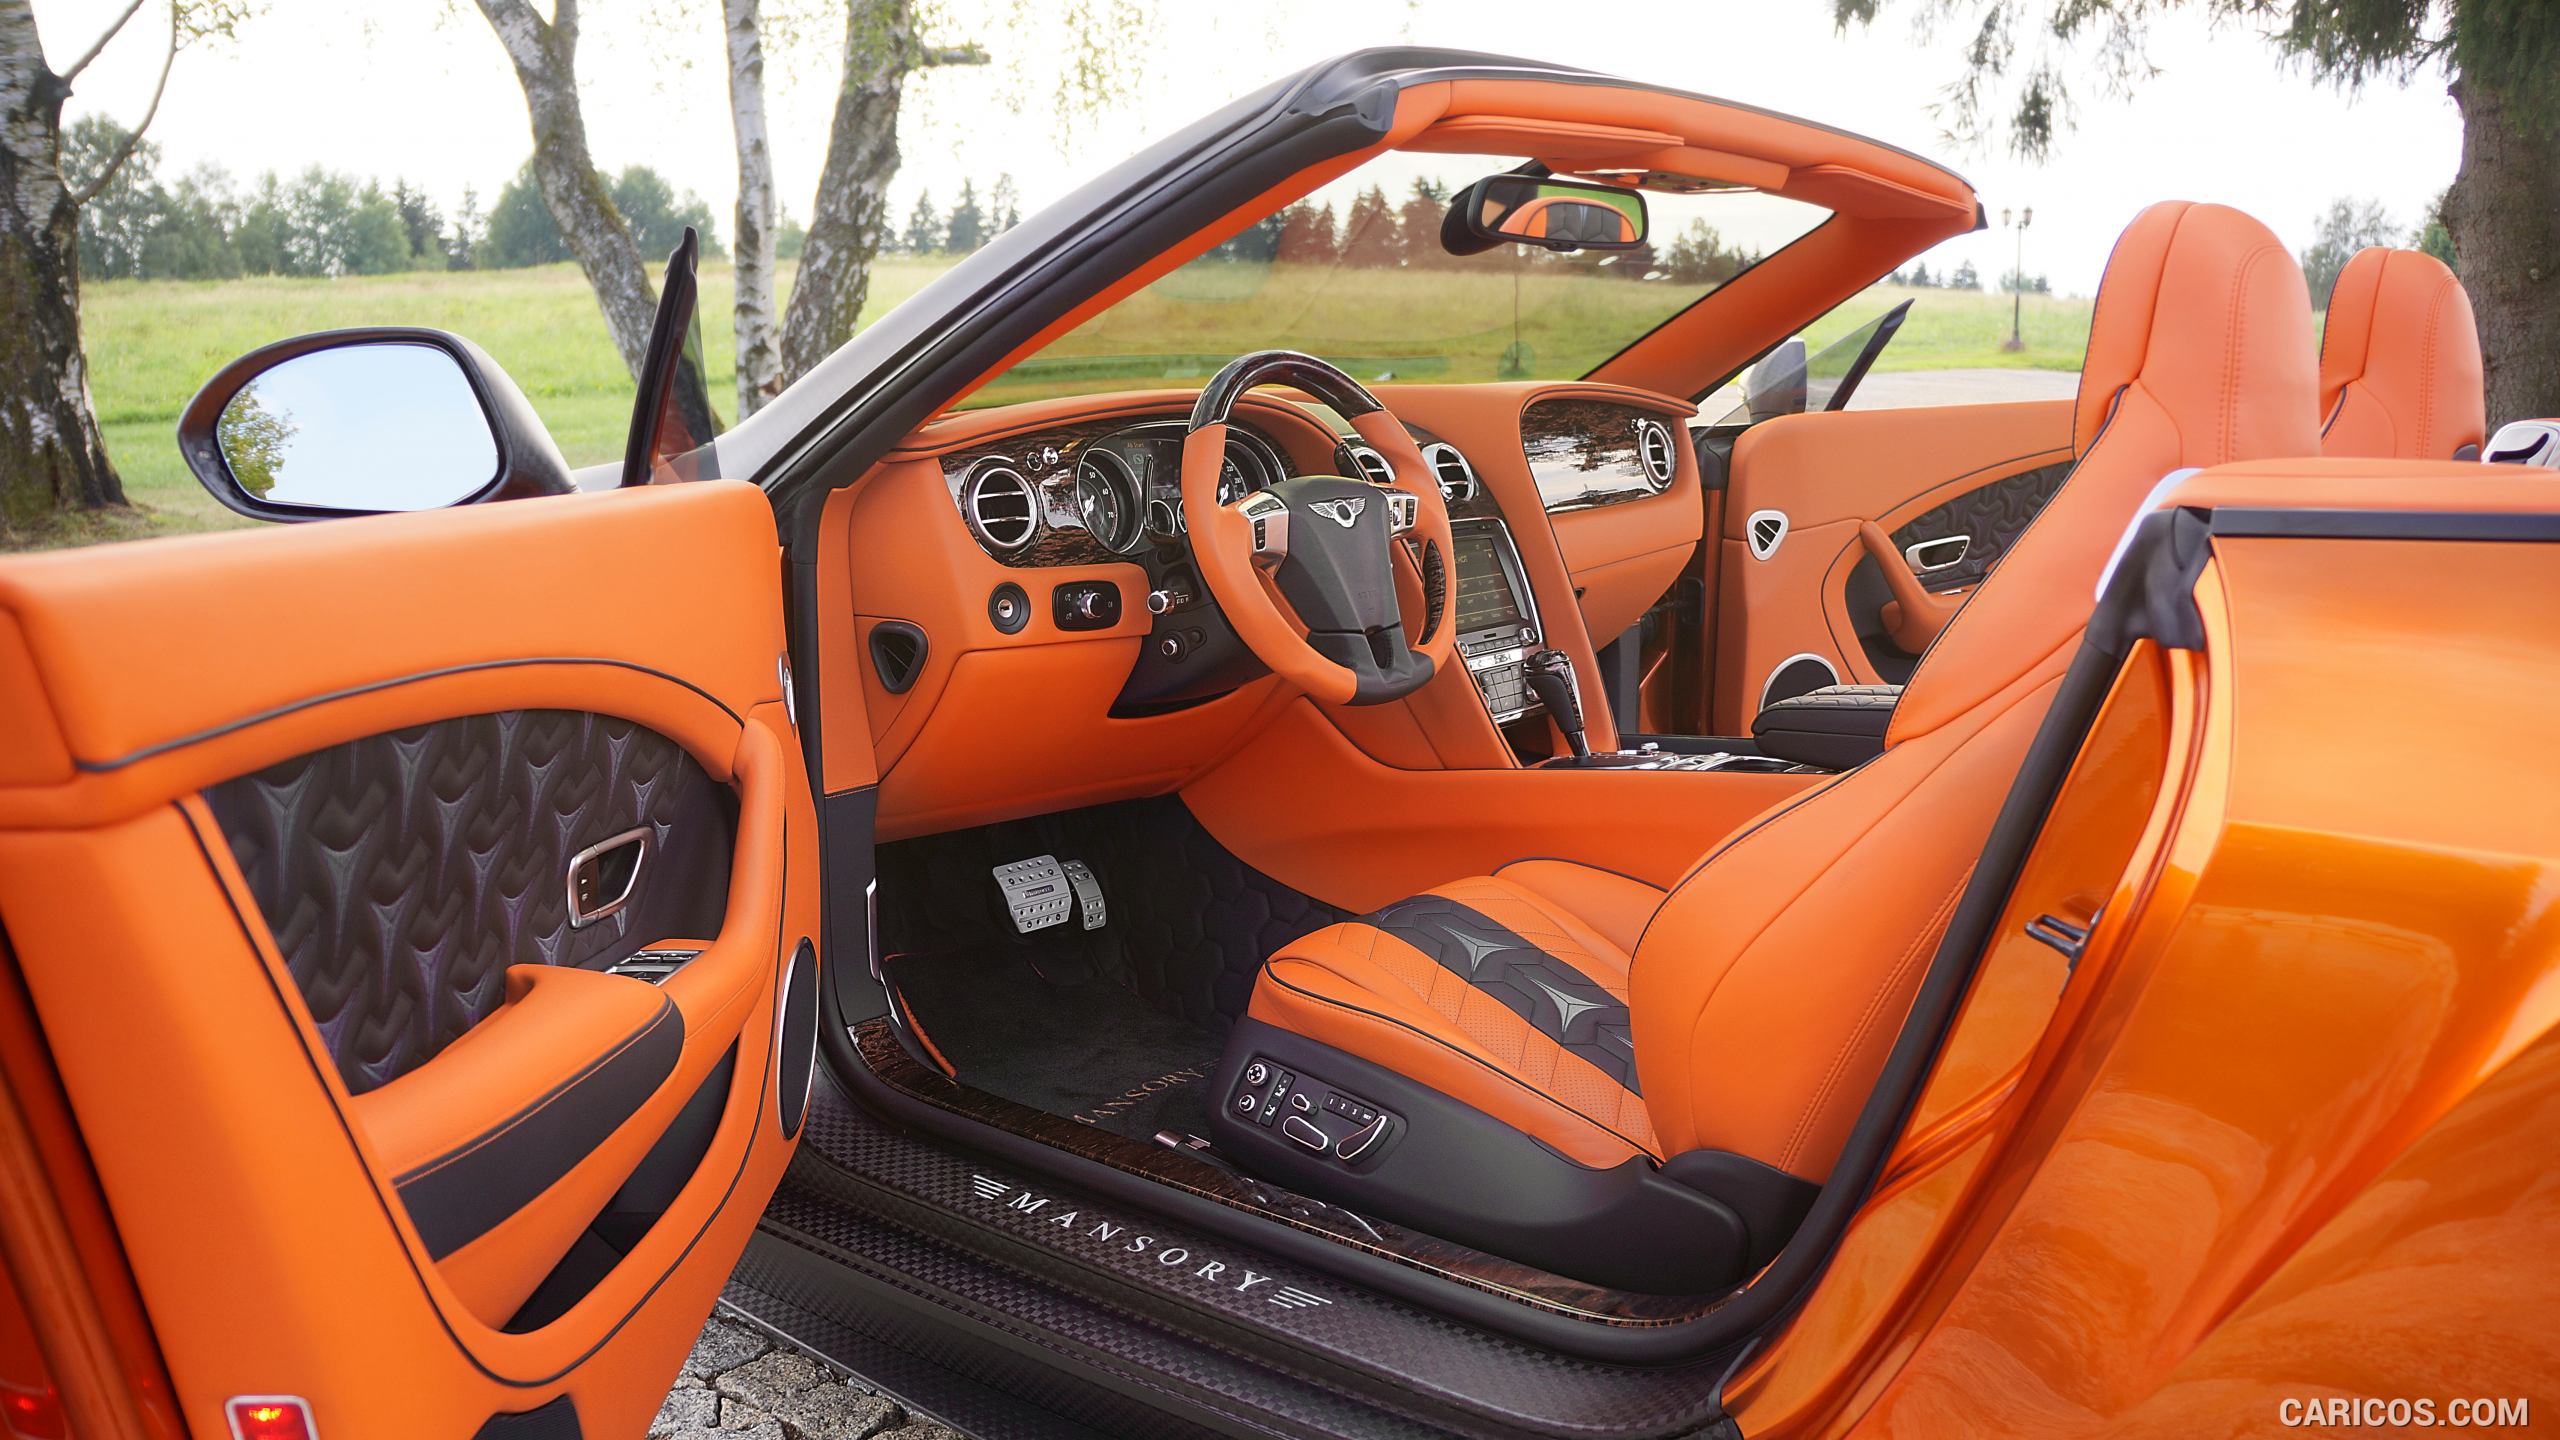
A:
1108, 498
1248, 467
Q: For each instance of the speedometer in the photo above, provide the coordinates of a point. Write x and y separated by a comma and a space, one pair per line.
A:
1108, 498
1233, 484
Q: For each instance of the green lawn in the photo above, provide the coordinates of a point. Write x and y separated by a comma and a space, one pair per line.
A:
151, 343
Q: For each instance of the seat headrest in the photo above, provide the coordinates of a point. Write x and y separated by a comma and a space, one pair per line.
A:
2400, 373
2199, 354
2187, 308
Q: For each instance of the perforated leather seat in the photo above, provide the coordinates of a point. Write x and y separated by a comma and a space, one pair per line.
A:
1728, 1037
2400, 371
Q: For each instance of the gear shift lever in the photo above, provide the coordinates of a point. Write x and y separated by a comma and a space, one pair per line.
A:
1550, 675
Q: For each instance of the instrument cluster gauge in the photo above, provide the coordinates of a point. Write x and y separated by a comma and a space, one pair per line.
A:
1110, 500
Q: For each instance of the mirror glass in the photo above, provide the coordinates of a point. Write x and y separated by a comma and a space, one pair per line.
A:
1559, 214
388, 426
1776, 386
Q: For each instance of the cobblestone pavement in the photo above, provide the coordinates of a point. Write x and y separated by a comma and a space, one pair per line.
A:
738, 1385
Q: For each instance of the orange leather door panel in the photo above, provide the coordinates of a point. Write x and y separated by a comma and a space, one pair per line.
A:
386, 1220
1825, 473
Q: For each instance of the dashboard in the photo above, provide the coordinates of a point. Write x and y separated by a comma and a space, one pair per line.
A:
1026, 571
1092, 494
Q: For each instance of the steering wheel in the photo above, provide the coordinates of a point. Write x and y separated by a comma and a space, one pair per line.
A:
1307, 570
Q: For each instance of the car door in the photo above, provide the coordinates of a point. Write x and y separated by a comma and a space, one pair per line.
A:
411, 956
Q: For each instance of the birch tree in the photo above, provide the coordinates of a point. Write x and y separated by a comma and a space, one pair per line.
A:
545, 55
1100, 55
53, 462
880, 51
752, 231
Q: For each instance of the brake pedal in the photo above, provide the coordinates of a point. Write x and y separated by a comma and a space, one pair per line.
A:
1041, 892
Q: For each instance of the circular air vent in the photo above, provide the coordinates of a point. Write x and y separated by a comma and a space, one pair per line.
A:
1002, 508
1653, 449
1372, 466
1457, 477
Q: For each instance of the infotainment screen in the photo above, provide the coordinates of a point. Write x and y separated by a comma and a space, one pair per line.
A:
1488, 601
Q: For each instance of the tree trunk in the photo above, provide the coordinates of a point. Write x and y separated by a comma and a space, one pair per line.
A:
2504, 212
853, 189
751, 239
545, 55
52, 459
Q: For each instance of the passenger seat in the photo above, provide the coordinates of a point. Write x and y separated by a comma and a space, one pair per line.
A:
2400, 375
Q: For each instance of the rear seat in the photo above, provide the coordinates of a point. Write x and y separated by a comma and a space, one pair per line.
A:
2400, 371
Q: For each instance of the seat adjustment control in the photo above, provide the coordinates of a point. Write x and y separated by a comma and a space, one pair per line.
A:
1357, 1143
1300, 1129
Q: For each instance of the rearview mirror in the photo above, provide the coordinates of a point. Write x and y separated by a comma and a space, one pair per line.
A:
1542, 211
359, 422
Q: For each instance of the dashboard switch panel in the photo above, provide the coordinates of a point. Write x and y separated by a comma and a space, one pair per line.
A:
1085, 605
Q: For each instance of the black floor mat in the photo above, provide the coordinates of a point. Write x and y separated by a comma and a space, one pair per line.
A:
1087, 1048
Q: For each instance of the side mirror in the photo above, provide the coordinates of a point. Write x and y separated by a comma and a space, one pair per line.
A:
1549, 213
1776, 386
359, 422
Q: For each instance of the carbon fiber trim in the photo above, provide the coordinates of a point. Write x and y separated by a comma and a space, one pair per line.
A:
1220, 1329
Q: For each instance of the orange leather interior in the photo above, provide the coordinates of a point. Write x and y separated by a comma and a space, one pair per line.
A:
166, 666
1307, 807
1766, 989
1828, 472
2400, 370
1360, 989
1595, 571
1617, 906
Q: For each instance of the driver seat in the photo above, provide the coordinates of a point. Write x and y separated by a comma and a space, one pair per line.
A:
1645, 1089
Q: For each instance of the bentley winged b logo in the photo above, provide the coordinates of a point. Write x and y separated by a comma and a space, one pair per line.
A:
1344, 513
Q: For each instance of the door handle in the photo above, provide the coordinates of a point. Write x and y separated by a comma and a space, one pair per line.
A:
1915, 614
603, 877
1929, 556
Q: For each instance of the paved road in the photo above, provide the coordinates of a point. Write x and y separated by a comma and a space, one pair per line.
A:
1898, 389
738, 1385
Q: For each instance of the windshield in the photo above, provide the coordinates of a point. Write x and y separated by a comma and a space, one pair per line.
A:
1355, 273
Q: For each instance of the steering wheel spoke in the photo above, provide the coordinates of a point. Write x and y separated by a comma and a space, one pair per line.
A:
1404, 511
1266, 520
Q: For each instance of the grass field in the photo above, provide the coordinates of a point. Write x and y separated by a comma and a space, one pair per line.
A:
150, 344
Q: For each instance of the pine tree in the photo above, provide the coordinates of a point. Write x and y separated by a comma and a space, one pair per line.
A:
924, 226
968, 228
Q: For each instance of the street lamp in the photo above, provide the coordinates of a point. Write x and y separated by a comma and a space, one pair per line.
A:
2018, 276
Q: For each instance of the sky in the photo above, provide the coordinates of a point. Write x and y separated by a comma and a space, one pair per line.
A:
420, 89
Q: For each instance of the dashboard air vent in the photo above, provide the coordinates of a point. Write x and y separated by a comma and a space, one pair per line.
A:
1653, 448
1457, 477
1002, 509
1372, 466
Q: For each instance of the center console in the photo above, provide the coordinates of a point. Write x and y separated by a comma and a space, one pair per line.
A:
1497, 617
